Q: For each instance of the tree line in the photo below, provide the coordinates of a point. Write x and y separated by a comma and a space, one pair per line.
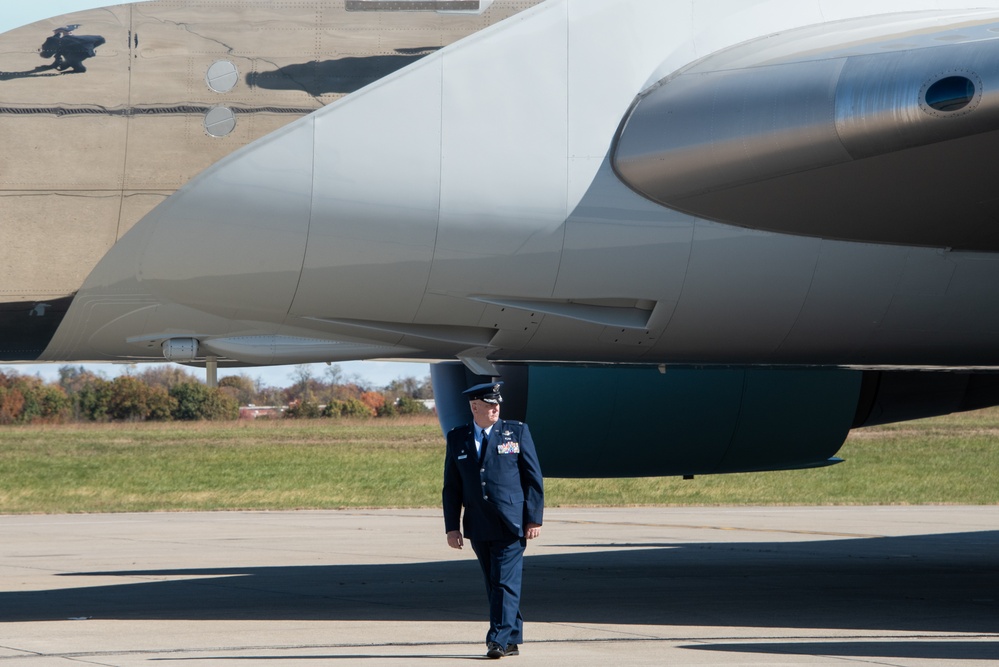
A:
165, 393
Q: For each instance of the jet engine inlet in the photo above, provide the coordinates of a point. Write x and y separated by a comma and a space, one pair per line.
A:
863, 136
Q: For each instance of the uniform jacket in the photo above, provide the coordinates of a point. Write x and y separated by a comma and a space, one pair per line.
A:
501, 493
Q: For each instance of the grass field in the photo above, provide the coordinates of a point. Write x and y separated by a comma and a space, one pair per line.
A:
290, 464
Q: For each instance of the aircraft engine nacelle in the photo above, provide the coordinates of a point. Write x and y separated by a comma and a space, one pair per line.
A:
603, 421
846, 121
636, 421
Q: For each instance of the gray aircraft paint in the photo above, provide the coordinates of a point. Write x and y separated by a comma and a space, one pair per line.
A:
454, 209
440, 185
89, 154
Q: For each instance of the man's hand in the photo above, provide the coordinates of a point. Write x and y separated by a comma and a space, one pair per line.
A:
454, 539
533, 530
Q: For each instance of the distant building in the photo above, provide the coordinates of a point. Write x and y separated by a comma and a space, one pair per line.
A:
261, 411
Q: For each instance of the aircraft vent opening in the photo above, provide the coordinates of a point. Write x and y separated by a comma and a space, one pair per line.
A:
222, 76
220, 121
950, 94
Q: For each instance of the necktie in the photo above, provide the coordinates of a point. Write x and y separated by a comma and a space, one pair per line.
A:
485, 440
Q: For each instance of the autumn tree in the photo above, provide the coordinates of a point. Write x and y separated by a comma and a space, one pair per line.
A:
131, 399
303, 409
197, 401
93, 400
346, 392
27, 400
11, 404
241, 387
344, 387
410, 387
166, 376
410, 406
351, 407
74, 378
45, 403
267, 395
374, 400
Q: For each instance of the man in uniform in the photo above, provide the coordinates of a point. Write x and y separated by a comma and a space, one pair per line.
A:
491, 469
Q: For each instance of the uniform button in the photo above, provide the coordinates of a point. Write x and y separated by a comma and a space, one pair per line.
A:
483, 470
483, 483
485, 497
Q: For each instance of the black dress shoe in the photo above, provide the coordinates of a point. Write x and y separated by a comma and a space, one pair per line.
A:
511, 649
494, 650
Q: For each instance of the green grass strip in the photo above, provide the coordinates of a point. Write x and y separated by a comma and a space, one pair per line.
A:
322, 464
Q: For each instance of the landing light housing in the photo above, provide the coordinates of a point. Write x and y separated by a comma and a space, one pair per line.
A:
180, 350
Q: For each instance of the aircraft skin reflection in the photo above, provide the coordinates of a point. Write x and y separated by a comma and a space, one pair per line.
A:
341, 75
764, 193
69, 50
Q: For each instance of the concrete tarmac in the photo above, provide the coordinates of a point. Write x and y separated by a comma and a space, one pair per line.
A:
905, 586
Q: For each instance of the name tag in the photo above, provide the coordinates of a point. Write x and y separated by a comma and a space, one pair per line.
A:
463, 456
508, 448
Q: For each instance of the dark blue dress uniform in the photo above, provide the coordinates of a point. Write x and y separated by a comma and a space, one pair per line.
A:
502, 491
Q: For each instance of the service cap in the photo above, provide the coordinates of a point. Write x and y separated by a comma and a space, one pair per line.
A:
488, 392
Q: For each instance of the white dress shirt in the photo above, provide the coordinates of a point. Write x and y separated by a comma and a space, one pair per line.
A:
478, 438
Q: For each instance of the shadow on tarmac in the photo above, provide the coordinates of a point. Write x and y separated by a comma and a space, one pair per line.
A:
926, 650
933, 583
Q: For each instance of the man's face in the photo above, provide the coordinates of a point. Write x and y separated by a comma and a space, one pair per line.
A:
484, 414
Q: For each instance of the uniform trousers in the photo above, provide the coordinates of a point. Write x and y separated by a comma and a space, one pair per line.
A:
502, 563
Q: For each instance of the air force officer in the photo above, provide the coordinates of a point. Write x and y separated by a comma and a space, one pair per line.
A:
491, 469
